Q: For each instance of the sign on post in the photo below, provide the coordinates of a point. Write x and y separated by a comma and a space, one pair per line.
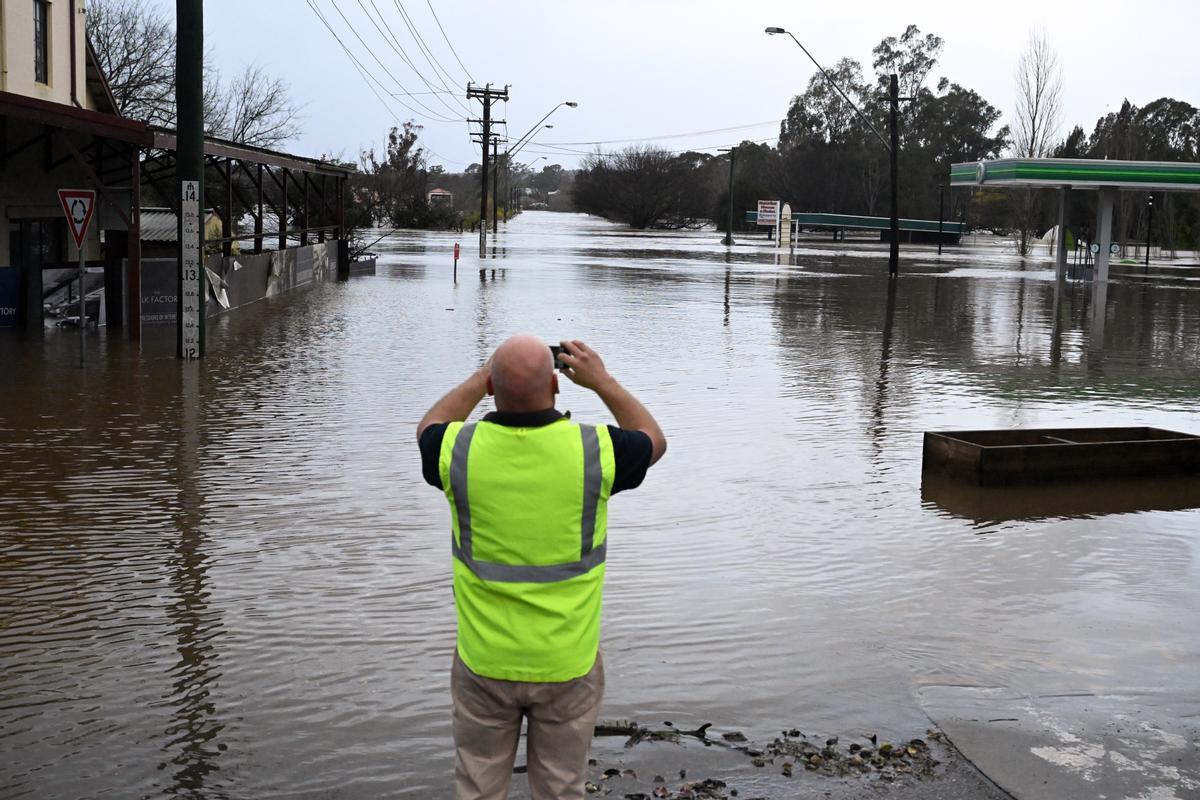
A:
191, 278
78, 205
768, 212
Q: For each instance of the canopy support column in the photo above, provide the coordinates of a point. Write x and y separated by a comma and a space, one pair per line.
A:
1104, 215
1060, 247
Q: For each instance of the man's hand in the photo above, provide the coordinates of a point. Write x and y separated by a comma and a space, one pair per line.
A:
583, 365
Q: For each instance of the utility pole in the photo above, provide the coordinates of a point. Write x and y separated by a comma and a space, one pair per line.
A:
189, 102
893, 146
894, 98
495, 183
486, 94
728, 240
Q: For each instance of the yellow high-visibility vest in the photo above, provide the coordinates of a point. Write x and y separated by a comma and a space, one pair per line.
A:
529, 508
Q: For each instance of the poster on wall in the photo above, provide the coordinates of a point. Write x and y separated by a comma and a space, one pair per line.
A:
10, 296
160, 291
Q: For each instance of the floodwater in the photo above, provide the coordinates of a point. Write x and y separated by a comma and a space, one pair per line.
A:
228, 579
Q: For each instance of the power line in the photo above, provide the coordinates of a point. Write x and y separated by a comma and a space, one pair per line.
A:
438, 115
420, 40
365, 73
675, 135
434, 114
367, 79
448, 42
399, 49
559, 151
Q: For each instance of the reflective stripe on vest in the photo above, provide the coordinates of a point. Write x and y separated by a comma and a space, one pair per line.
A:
590, 557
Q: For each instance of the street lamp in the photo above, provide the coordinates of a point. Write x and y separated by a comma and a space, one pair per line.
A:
892, 146
524, 140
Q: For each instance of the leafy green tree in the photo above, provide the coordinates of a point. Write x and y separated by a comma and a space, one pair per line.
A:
911, 57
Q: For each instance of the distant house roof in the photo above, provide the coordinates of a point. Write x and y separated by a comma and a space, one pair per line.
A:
440, 191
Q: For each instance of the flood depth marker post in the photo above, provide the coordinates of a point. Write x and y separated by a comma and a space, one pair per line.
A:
191, 300
78, 205
189, 100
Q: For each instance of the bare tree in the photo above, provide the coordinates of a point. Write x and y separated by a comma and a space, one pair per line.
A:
255, 109
135, 45
1036, 121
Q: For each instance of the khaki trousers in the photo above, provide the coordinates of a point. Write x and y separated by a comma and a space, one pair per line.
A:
561, 718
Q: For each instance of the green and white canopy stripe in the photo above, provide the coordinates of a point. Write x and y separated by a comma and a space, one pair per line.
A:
1078, 174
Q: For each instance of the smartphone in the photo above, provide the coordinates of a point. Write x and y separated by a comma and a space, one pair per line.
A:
556, 350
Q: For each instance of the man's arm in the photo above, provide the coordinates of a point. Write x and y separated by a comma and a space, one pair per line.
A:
458, 403
585, 368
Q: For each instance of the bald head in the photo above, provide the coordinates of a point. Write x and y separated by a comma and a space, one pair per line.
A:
522, 376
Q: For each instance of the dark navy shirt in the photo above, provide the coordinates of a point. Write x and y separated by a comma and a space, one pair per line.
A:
631, 449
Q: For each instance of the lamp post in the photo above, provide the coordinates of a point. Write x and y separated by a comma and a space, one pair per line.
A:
893, 146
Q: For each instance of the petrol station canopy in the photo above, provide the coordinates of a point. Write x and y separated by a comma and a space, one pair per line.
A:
1078, 173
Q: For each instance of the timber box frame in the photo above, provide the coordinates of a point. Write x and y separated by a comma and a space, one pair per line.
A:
1006, 457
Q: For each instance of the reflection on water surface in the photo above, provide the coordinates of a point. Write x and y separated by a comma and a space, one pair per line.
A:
228, 580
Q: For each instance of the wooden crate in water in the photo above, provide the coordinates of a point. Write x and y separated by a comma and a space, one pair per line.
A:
996, 458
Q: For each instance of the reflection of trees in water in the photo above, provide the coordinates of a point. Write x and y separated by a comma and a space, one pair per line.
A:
968, 329
194, 728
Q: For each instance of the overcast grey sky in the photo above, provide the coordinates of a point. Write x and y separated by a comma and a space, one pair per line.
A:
653, 68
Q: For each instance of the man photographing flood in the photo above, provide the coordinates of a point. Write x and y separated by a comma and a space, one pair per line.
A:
528, 489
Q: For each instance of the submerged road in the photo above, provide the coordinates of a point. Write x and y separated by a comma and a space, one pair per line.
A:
227, 579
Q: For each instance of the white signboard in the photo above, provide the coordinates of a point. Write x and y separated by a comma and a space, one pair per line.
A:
190, 294
768, 212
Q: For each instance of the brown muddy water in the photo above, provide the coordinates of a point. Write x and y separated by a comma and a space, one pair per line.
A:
228, 579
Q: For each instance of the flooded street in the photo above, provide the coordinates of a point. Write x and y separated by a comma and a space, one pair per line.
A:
229, 580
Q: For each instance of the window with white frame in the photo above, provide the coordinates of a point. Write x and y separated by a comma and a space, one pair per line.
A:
41, 41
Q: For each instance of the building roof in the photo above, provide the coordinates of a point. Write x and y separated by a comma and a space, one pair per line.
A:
1078, 173
112, 126
161, 224
440, 191
97, 84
